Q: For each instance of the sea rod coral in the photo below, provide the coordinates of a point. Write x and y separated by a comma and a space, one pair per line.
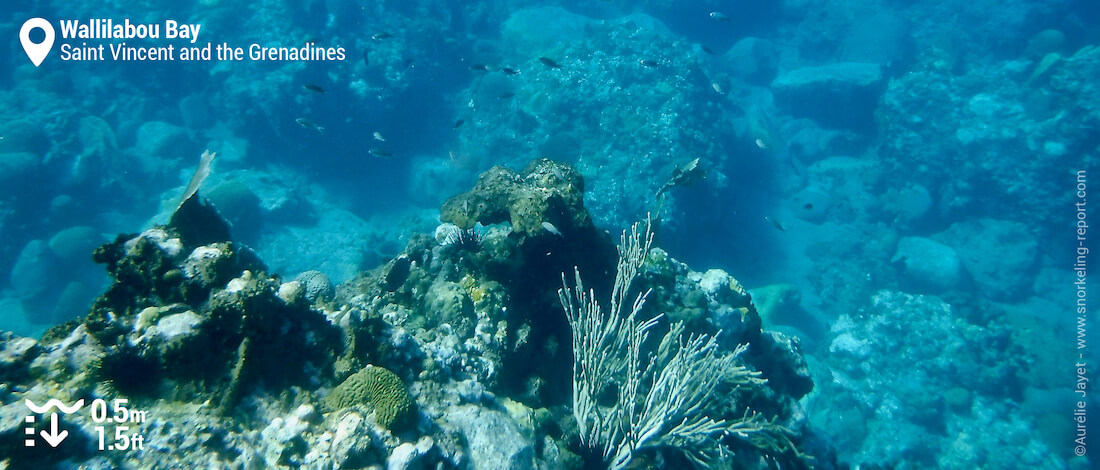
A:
665, 399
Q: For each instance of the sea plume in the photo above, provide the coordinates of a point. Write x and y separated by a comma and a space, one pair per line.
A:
200, 175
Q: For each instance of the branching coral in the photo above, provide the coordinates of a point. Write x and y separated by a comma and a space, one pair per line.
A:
665, 397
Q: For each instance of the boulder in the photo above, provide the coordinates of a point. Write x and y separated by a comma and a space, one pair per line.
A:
495, 440
76, 244
840, 95
18, 170
927, 265
1002, 256
157, 139
753, 60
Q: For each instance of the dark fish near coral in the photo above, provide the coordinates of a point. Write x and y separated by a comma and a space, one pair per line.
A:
509, 71
366, 57
647, 63
380, 152
549, 63
706, 49
397, 273
306, 123
313, 88
718, 16
506, 95
381, 36
459, 123
688, 173
479, 67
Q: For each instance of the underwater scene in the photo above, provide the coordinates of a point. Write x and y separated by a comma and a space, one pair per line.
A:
502, 234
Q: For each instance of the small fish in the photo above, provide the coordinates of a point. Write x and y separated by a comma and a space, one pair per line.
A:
479, 67
380, 152
549, 227
378, 136
706, 49
366, 57
509, 71
718, 88
506, 95
549, 63
718, 16
313, 88
381, 36
459, 123
776, 224
306, 123
647, 63
760, 143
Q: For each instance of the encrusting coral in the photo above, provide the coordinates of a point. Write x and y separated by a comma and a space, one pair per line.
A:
544, 192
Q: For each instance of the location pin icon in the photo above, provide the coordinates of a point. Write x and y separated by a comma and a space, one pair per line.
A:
37, 52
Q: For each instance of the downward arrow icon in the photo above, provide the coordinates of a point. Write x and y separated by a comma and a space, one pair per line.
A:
53, 438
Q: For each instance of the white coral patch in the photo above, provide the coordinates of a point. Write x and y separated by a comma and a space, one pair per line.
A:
179, 324
713, 280
169, 245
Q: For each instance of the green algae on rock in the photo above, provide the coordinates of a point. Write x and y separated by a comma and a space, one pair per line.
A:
204, 321
544, 192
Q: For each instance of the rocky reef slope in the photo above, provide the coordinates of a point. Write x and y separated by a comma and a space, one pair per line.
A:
454, 354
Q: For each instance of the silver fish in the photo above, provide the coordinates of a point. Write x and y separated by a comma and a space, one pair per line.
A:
306, 123
552, 229
380, 152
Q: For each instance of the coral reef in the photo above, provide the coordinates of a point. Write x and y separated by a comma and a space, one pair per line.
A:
888, 178
973, 376
205, 319
1007, 135
627, 103
459, 354
380, 390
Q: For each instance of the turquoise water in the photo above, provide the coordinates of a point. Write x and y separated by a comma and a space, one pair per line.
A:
900, 189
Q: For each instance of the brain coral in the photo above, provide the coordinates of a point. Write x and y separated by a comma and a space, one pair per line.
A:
378, 389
